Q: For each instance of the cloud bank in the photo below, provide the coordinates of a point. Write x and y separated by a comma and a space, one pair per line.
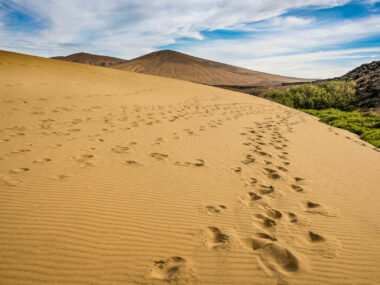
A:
249, 33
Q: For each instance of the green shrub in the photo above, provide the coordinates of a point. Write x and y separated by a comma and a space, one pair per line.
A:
366, 125
323, 99
323, 95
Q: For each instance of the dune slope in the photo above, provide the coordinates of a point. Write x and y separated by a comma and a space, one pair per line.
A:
113, 177
177, 65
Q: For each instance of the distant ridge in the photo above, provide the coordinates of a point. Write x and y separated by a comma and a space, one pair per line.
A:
173, 64
178, 65
93, 59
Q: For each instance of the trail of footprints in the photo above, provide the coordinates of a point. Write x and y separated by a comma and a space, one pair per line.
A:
268, 152
53, 122
124, 118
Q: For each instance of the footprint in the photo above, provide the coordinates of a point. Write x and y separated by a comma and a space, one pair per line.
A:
315, 237
159, 156
236, 169
275, 214
274, 256
267, 222
132, 163
296, 188
282, 168
252, 181
248, 159
18, 170
272, 173
159, 140
266, 236
265, 190
292, 217
74, 130
61, 176
198, 163
84, 159
22, 150
217, 239
41, 160
312, 205
268, 170
284, 157
298, 179
253, 196
263, 153
215, 209
168, 269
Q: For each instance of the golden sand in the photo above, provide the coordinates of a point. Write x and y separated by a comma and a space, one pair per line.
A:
114, 177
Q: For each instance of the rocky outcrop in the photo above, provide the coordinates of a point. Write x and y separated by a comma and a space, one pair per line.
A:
367, 78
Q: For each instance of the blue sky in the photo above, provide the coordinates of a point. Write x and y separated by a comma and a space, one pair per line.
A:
302, 38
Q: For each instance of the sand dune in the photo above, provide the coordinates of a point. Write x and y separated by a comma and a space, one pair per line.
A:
177, 65
114, 177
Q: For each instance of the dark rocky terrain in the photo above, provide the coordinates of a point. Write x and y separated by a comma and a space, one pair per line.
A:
367, 78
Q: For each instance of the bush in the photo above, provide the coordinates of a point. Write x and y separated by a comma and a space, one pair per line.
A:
323, 99
323, 95
367, 126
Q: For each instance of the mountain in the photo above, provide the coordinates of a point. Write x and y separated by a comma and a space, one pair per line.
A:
92, 59
367, 78
177, 65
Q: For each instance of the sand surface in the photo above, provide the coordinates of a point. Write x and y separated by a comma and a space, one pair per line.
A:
113, 177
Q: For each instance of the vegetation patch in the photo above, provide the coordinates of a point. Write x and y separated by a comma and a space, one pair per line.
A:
323, 95
332, 102
366, 125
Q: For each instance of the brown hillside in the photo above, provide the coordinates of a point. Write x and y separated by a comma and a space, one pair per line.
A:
92, 59
177, 65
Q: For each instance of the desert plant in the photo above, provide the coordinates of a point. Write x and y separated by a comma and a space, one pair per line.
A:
319, 96
366, 125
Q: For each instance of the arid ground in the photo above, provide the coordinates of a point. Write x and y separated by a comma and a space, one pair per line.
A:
115, 177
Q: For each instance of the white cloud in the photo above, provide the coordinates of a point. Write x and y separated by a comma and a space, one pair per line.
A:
131, 28
324, 64
292, 49
137, 25
293, 40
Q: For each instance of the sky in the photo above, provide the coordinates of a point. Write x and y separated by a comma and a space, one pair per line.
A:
299, 38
